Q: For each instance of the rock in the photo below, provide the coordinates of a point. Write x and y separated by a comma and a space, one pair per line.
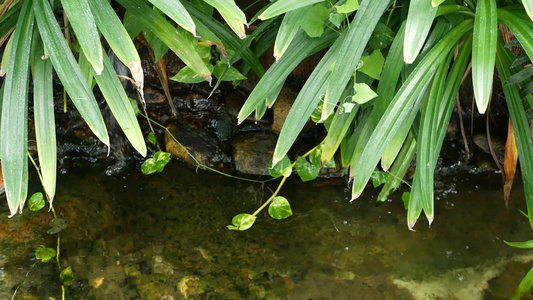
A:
190, 287
194, 102
498, 145
281, 108
198, 142
252, 152
223, 125
153, 96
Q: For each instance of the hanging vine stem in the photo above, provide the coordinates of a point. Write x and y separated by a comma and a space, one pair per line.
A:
198, 165
58, 245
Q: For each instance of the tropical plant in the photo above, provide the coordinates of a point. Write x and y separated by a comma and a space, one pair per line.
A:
415, 78
37, 46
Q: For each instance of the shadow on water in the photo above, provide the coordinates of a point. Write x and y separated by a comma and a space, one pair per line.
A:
164, 236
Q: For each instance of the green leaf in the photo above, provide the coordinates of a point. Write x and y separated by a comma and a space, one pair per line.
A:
419, 20
5, 56
433, 125
524, 141
308, 170
231, 74
381, 37
301, 47
522, 31
242, 222
313, 21
520, 76
82, 21
67, 276
372, 64
177, 39
528, 5
280, 208
120, 106
357, 36
363, 93
401, 107
436, 3
525, 285
68, 70
156, 163
337, 19
229, 39
119, 40
9, 19
339, 127
232, 14
175, 10
484, 52
281, 7
14, 125
288, 29
57, 225
44, 117
187, 75
36, 202
151, 137
399, 168
348, 7
522, 245
45, 254
379, 177
282, 168
405, 199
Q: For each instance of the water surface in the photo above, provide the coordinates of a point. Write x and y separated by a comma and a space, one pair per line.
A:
164, 236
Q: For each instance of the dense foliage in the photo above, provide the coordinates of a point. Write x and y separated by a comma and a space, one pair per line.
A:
384, 89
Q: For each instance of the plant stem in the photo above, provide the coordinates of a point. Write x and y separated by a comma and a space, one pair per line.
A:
271, 197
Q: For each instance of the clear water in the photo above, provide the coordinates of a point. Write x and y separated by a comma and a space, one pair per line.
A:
164, 236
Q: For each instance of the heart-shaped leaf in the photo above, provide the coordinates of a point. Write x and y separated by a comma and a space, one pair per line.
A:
280, 208
242, 222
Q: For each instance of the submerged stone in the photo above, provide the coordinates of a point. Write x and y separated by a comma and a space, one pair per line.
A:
196, 141
252, 152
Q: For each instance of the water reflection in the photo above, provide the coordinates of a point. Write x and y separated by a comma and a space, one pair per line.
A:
164, 237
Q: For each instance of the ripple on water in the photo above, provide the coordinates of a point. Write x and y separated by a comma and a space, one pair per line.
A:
165, 235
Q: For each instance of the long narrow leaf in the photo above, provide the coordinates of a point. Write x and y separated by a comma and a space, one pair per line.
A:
232, 14
68, 70
118, 39
524, 141
340, 124
120, 106
434, 122
419, 20
484, 51
43, 102
287, 31
401, 105
82, 20
351, 50
175, 38
9, 19
522, 31
303, 46
14, 126
399, 168
525, 285
528, 5
177, 12
281, 7
422, 191
229, 40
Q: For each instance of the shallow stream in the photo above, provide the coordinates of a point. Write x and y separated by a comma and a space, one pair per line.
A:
164, 236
